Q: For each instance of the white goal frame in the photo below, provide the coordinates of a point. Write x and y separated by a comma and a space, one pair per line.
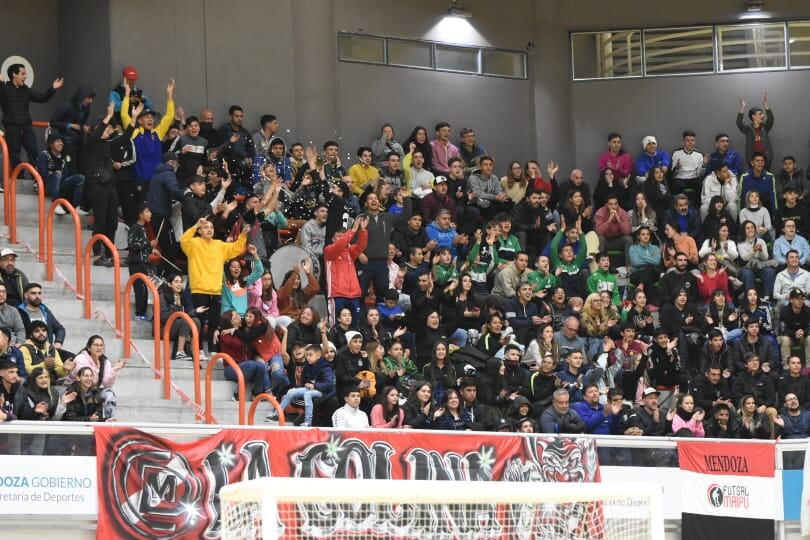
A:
271, 491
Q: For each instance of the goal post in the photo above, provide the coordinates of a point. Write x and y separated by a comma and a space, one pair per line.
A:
296, 508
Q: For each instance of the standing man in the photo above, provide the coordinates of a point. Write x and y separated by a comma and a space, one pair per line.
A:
469, 151
373, 262
239, 150
758, 178
70, 120
615, 158
756, 133
137, 95
147, 137
343, 288
15, 99
443, 150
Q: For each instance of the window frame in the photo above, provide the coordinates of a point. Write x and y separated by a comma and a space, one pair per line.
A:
677, 28
719, 41
617, 77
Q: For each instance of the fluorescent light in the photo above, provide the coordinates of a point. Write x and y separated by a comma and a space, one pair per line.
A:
756, 15
458, 10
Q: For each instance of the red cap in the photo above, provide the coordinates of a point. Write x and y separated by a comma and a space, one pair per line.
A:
130, 73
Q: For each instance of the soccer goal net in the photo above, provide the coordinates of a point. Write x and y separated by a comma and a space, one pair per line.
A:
293, 508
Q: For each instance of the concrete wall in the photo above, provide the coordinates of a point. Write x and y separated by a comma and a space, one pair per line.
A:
31, 30
582, 113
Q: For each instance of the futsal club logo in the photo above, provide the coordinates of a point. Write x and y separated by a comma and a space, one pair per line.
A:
715, 494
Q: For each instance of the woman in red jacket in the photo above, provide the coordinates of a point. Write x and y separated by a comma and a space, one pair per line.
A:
711, 279
342, 284
234, 341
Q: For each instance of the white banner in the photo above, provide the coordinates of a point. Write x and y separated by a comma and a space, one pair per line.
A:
52, 485
668, 477
752, 497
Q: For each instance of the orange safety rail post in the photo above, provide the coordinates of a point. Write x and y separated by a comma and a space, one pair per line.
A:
11, 209
77, 234
40, 124
272, 401
6, 174
240, 382
155, 317
88, 251
167, 351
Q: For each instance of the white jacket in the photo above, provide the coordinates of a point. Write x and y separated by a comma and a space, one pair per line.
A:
784, 284
712, 187
349, 418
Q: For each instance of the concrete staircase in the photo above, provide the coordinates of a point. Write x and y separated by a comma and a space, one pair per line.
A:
139, 394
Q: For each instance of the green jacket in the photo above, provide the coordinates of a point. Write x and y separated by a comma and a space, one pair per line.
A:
540, 282
602, 280
390, 364
479, 271
442, 274
576, 264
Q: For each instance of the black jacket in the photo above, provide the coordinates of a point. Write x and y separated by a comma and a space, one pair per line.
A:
759, 384
714, 431
72, 112
163, 189
96, 158
138, 246
706, 393
542, 389
762, 347
643, 420
404, 239
794, 385
15, 284
15, 102
524, 217
722, 358
347, 366
672, 319
672, 282
193, 208
83, 407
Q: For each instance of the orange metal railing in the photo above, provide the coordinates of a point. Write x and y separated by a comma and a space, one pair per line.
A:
88, 251
167, 358
240, 381
6, 174
77, 239
270, 399
11, 209
155, 317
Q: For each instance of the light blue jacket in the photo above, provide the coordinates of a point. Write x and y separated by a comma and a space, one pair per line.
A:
781, 246
239, 302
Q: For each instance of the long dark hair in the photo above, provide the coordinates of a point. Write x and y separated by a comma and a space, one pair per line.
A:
102, 360
425, 148
413, 396
393, 412
271, 292
242, 278
225, 320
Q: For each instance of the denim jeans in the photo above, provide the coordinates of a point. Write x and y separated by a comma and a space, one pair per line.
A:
768, 275
278, 374
70, 187
301, 392
254, 372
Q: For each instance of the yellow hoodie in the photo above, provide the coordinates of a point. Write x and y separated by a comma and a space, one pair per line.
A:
206, 259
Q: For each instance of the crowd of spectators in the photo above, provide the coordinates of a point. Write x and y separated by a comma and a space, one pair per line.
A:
455, 298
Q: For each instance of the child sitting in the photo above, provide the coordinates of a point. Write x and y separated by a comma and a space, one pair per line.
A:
318, 383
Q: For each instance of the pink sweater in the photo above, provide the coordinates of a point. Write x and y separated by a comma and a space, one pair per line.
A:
83, 359
268, 309
695, 427
378, 420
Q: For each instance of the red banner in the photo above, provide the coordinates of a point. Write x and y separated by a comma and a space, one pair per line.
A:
153, 488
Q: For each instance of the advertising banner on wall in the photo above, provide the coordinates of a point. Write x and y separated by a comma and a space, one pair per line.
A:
728, 490
48, 485
153, 488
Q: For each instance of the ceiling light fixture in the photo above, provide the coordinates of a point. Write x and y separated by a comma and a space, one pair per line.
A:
456, 9
754, 5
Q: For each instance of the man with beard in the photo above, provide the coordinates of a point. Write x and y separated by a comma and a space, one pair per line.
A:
794, 422
37, 351
32, 310
12, 277
560, 418
678, 279
711, 389
239, 150
723, 425
530, 226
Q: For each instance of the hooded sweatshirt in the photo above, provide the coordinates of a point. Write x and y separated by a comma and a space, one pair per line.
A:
71, 114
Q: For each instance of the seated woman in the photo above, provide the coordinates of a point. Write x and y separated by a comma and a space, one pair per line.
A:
387, 413
608, 185
657, 191
175, 297
104, 373
722, 316
419, 408
236, 280
291, 297
43, 401
687, 418
639, 316
752, 307
758, 215
718, 215
492, 337
432, 331
712, 277
720, 244
676, 240
262, 294
514, 183
337, 334
642, 214
755, 261
88, 404
440, 372
597, 322
755, 424
306, 329
575, 213
233, 341
540, 346
451, 415
267, 348
371, 327
397, 369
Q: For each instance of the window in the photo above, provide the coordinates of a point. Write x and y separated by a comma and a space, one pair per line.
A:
799, 44
410, 53
678, 51
503, 64
353, 48
744, 47
451, 58
607, 55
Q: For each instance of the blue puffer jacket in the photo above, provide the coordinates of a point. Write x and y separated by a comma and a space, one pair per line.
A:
645, 162
163, 189
443, 238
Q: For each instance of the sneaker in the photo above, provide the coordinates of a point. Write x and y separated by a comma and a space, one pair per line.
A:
305, 424
82, 212
236, 396
182, 356
60, 211
2, 189
105, 262
273, 417
147, 318
36, 188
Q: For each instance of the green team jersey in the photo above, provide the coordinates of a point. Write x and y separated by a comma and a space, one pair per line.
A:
540, 281
444, 274
574, 266
488, 260
602, 280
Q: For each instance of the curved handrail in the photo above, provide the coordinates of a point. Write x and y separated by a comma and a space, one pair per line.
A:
77, 236
195, 354
127, 318
11, 213
88, 250
270, 399
240, 382
6, 174
40, 123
